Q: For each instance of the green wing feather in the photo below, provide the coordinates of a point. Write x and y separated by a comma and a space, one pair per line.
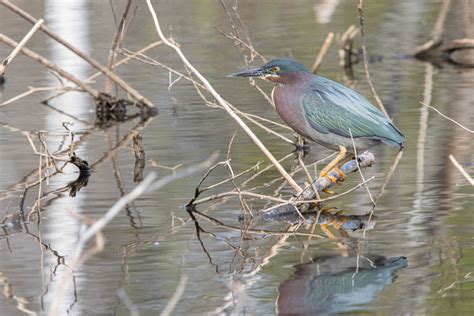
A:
333, 108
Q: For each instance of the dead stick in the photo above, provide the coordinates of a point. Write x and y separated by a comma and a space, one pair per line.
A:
32, 90
23, 42
448, 118
366, 159
125, 86
360, 4
120, 62
224, 103
118, 37
322, 52
345, 46
461, 169
356, 159
391, 172
63, 73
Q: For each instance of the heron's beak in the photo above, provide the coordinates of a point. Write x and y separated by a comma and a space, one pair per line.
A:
257, 72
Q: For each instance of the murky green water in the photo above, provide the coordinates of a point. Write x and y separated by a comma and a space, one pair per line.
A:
426, 214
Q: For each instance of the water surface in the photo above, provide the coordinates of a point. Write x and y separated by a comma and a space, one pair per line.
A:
423, 239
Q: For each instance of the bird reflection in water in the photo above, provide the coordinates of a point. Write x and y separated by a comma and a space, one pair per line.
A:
331, 285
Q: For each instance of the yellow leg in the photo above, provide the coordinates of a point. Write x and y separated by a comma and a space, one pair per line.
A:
333, 163
329, 191
342, 175
328, 233
339, 224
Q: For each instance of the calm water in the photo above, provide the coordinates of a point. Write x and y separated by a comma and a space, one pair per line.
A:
426, 214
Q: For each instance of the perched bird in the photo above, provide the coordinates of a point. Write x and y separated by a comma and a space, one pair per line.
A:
325, 111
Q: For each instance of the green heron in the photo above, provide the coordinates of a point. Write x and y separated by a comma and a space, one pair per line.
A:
325, 111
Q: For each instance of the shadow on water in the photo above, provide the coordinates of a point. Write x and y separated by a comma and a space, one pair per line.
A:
334, 284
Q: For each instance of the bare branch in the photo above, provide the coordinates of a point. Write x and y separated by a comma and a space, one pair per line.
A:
322, 52
125, 86
360, 4
461, 169
448, 118
50, 65
17, 49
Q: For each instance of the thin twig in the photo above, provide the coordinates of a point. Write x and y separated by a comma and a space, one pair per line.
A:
116, 42
125, 86
50, 65
461, 169
308, 175
322, 52
360, 4
32, 90
360, 171
229, 179
346, 41
32, 144
448, 118
243, 204
386, 181
122, 61
6, 61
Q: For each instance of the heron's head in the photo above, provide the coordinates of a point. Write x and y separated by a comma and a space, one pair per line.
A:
276, 70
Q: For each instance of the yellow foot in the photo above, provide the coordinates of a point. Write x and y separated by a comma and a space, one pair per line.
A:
334, 162
329, 191
338, 225
342, 175
331, 178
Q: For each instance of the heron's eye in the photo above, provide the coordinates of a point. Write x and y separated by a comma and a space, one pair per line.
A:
275, 69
